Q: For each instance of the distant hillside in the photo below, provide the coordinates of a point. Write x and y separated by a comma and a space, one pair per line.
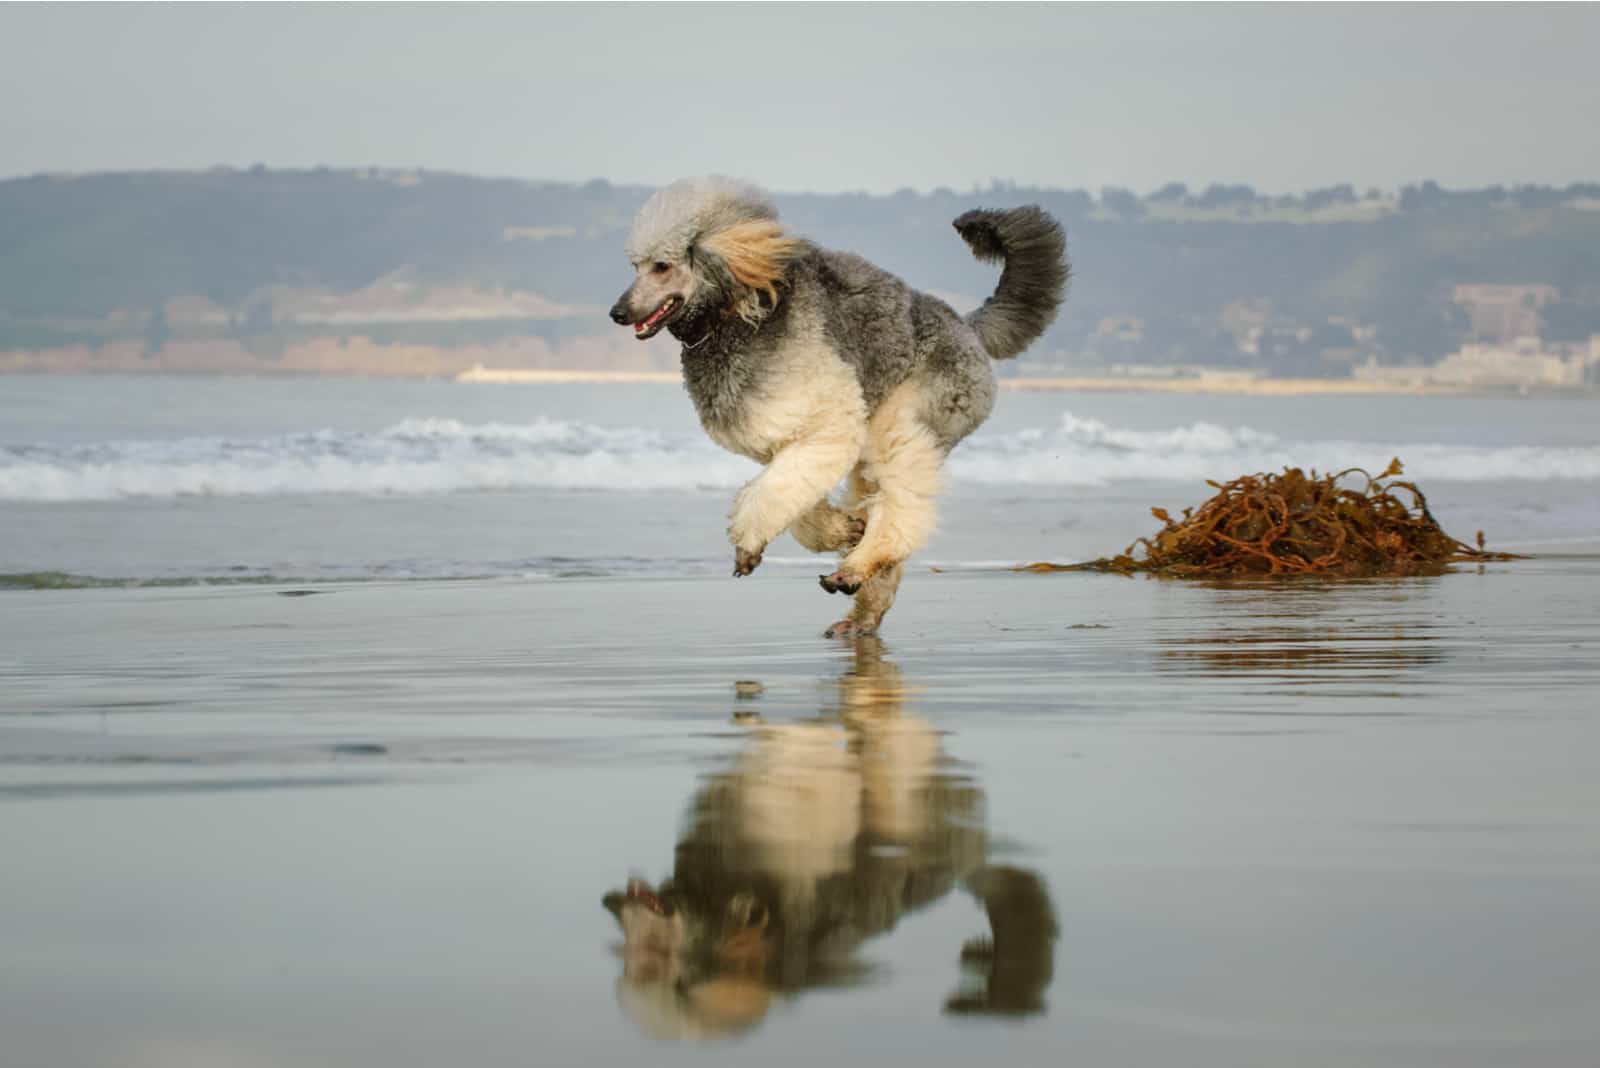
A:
425, 273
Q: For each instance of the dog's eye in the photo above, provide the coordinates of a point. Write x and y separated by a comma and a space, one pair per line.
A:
660, 268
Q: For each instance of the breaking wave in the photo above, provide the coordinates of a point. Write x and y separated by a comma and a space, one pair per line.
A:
1089, 452
431, 456
416, 456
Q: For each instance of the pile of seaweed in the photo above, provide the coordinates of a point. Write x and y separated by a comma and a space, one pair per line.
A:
1295, 523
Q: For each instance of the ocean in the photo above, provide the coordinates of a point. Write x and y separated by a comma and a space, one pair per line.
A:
382, 723
174, 480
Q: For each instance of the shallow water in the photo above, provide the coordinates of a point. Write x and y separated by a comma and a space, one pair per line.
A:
1099, 820
180, 480
331, 713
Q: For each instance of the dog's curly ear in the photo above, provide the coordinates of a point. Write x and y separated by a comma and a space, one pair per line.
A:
756, 252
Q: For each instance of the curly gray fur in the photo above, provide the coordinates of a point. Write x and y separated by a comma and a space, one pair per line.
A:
885, 330
675, 217
1032, 284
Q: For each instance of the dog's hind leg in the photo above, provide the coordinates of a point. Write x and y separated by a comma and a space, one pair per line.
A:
872, 603
877, 593
902, 460
827, 528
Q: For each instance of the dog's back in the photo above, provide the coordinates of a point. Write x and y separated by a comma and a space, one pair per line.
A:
889, 332
868, 315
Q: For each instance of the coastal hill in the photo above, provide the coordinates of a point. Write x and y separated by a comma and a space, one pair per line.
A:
412, 272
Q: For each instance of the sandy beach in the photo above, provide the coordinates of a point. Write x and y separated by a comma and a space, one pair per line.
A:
1333, 824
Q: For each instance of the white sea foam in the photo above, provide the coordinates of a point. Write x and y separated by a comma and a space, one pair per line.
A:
416, 456
430, 456
1088, 452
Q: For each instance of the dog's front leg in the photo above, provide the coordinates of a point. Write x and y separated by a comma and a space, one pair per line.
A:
797, 477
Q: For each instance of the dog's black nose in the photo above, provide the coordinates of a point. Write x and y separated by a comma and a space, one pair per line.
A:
620, 314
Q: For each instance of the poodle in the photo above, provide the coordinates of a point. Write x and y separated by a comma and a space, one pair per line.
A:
823, 367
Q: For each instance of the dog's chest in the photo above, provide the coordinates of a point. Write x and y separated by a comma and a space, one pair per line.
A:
755, 411
761, 420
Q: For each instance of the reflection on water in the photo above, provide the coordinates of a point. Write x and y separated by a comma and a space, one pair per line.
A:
821, 835
1281, 650
1337, 632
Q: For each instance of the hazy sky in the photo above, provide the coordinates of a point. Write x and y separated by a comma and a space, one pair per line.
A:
823, 97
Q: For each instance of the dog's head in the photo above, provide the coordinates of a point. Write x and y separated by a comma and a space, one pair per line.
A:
691, 967
701, 249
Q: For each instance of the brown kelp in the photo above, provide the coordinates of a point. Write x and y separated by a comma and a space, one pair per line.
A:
1294, 523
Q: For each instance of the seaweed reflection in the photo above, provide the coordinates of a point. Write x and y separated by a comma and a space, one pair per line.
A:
821, 835
1326, 632
1372, 652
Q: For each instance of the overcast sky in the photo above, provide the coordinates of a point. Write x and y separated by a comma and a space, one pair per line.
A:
820, 97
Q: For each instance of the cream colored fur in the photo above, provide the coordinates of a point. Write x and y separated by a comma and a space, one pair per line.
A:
798, 801
827, 528
804, 793
802, 430
874, 598
808, 429
900, 462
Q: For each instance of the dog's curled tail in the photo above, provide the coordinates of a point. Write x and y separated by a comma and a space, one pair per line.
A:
1033, 282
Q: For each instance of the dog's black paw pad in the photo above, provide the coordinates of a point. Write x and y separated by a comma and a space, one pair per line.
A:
839, 582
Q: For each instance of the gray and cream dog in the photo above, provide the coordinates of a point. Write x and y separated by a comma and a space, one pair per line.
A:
821, 366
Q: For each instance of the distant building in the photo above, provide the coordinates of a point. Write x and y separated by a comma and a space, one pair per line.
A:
1116, 338
1527, 363
1505, 313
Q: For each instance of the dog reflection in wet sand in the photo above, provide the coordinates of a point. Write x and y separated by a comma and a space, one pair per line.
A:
822, 835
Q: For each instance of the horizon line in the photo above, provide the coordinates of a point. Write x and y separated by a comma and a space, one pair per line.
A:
993, 184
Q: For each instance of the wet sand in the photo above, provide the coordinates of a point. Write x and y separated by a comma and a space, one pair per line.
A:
1064, 818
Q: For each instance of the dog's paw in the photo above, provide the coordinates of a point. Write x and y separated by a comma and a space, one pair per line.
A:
745, 562
855, 528
848, 628
977, 950
841, 581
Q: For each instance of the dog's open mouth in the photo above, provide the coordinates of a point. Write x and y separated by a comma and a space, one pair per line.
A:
638, 893
651, 324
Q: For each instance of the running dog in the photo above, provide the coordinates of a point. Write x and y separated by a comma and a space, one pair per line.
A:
821, 366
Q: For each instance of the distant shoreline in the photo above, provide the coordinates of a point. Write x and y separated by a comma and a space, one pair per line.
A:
1217, 384
1238, 385
496, 374
1213, 384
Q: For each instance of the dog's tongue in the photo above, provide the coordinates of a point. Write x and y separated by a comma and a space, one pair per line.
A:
653, 318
